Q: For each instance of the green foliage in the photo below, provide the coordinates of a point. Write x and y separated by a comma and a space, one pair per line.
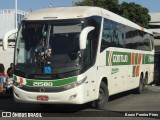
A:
111, 5
134, 12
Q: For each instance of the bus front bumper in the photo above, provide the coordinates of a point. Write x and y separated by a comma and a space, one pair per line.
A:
72, 96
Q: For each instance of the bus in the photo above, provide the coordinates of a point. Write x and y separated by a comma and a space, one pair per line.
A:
77, 55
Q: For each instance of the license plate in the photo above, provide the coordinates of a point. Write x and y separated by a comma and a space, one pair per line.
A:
42, 98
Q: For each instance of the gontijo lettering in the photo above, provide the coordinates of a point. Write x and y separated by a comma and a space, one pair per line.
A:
120, 58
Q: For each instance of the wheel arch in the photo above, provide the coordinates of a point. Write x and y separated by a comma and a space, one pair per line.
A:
105, 80
146, 74
102, 98
142, 74
102, 79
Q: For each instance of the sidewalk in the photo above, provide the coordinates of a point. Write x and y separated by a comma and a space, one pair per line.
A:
153, 87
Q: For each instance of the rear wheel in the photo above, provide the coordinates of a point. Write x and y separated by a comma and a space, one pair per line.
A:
141, 86
103, 96
146, 80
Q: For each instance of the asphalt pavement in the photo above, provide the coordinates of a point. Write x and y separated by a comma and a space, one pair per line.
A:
123, 105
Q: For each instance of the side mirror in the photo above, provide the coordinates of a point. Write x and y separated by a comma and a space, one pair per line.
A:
83, 36
5, 38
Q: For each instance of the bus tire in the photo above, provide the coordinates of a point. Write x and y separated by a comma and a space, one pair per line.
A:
146, 80
141, 86
103, 96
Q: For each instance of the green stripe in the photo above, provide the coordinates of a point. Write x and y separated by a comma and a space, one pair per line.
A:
124, 58
119, 58
107, 56
143, 59
136, 58
134, 70
56, 83
149, 59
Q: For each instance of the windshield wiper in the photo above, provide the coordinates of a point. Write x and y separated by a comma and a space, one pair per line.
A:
58, 74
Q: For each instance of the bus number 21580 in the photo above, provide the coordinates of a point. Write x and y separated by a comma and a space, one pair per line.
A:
42, 84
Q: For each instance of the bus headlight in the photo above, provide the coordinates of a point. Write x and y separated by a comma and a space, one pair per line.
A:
73, 85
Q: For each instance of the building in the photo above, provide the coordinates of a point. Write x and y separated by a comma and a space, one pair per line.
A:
7, 23
154, 26
7, 20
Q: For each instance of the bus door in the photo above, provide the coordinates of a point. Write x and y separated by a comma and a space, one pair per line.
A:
89, 58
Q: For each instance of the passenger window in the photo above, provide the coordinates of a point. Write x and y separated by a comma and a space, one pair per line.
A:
106, 35
113, 35
152, 42
119, 37
131, 38
145, 43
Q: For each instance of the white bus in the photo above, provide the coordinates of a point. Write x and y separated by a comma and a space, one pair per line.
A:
75, 55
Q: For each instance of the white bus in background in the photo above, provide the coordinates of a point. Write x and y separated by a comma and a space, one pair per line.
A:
75, 55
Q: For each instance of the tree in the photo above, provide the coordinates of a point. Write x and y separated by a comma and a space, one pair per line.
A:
134, 12
111, 5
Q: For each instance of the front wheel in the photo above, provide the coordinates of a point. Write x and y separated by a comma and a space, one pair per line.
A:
103, 96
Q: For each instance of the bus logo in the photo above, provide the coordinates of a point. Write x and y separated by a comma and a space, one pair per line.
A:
42, 84
120, 58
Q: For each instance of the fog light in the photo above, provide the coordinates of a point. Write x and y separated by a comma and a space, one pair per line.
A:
72, 97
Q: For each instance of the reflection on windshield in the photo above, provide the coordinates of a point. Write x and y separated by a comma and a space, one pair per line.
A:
40, 44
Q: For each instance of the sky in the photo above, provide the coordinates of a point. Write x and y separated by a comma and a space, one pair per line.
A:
27, 5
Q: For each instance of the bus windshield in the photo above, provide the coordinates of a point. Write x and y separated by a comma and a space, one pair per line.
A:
43, 43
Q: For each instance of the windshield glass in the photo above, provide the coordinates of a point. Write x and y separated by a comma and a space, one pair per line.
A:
48, 43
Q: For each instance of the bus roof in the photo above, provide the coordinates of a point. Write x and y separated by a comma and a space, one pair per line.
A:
79, 12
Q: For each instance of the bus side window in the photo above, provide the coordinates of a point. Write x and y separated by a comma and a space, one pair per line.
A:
145, 42
106, 35
152, 42
132, 38
113, 35
118, 37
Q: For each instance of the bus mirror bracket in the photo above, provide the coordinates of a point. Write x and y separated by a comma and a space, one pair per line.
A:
83, 36
6, 36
